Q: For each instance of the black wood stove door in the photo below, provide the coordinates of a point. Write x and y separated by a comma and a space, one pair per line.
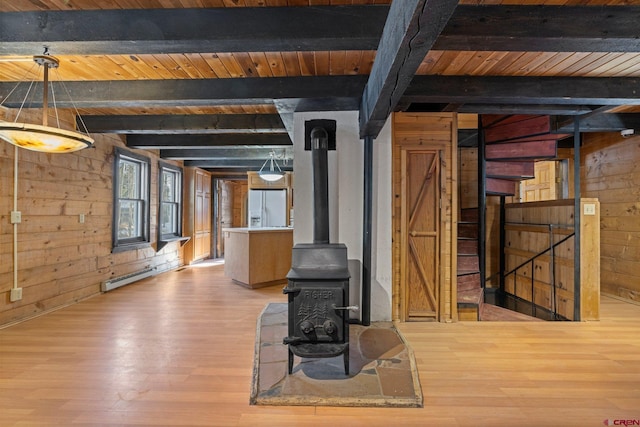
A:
318, 313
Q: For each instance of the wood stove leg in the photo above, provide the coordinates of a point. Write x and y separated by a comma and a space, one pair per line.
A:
290, 361
346, 361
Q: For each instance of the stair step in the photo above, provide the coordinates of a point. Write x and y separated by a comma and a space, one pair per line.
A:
468, 263
467, 230
542, 137
515, 127
522, 151
468, 282
495, 120
493, 313
510, 170
500, 187
469, 215
467, 247
471, 297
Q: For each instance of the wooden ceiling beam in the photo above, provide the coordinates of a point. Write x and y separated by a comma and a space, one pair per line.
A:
542, 29
323, 92
523, 90
606, 122
567, 110
326, 92
201, 30
155, 31
227, 153
184, 124
411, 28
228, 174
232, 164
205, 141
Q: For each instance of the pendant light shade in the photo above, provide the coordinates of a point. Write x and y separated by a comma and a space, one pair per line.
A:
44, 138
274, 173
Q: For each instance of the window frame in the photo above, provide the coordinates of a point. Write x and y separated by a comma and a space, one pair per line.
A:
144, 182
177, 235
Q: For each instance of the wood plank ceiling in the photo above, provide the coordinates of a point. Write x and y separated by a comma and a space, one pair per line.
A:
231, 72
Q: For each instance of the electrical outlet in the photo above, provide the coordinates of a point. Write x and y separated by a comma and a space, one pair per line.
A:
589, 209
16, 294
81, 219
16, 217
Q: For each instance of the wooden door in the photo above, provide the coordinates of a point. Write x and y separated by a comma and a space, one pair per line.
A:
543, 186
420, 249
202, 215
425, 196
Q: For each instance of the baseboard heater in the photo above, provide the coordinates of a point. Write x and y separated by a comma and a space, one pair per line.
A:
114, 283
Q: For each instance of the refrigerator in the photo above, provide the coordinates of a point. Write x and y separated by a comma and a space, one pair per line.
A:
267, 208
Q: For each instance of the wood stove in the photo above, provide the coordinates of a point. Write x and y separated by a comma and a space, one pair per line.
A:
318, 282
318, 296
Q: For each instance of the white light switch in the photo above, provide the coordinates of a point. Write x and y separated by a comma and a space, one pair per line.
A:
589, 209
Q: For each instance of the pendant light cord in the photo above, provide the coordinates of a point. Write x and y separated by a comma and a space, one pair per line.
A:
28, 72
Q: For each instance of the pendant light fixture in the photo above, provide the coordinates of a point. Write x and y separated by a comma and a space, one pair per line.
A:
274, 173
44, 138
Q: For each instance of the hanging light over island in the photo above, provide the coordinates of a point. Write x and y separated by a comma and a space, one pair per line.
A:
274, 173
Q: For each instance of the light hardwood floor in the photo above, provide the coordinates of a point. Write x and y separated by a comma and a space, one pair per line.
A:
177, 350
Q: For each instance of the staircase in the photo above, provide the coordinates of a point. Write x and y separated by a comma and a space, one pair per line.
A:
470, 291
513, 143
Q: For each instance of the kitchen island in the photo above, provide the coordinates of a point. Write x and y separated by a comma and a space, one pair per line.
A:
257, 257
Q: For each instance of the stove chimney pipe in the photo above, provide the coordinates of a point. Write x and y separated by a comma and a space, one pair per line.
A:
319, 148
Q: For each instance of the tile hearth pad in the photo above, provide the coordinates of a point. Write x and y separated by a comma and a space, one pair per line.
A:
382, 368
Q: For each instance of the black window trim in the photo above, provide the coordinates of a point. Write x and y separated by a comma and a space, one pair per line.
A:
121, 245
163, 239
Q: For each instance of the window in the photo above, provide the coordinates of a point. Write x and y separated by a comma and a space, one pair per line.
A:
170, 202
131, 201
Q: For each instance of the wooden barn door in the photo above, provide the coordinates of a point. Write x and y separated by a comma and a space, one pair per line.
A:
425, 192
420, 248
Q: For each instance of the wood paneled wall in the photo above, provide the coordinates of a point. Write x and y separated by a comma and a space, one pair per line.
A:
60, 259
611, 173
427, 131
239, 203
468, 177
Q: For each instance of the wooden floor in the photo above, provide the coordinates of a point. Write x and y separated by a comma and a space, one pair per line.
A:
177, 350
